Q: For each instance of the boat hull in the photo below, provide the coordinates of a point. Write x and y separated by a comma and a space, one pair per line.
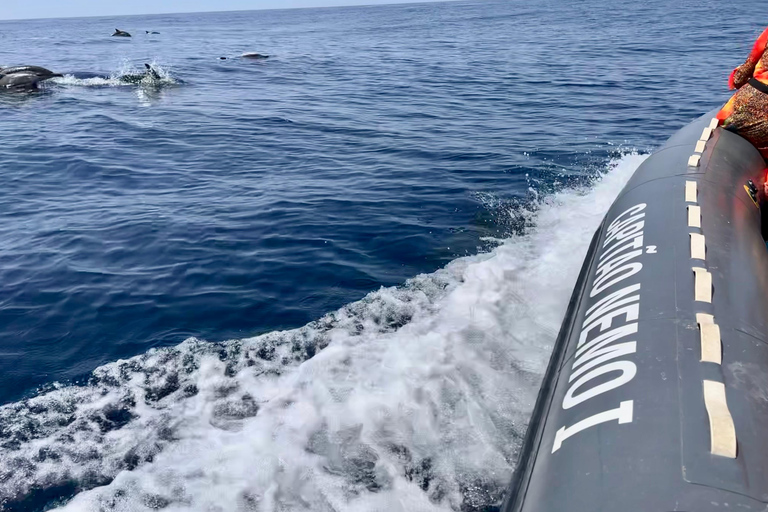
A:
656, 395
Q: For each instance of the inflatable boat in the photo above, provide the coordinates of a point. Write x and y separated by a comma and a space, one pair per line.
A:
656, 394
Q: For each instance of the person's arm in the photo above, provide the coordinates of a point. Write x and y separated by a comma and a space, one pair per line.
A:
741, 74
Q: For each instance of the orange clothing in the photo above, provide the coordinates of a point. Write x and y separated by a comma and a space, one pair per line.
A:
746, 113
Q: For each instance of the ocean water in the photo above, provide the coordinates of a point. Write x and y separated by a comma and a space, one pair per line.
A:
328, 280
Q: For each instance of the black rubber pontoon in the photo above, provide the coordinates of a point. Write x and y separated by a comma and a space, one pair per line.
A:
656, 395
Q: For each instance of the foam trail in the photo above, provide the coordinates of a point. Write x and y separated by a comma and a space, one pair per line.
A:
114, 79
93, 81
414, 398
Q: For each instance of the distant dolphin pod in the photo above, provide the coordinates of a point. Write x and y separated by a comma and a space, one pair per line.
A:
120, 33
24, 78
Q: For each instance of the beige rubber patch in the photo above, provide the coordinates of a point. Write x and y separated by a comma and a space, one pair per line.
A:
702, 285
698, 246
706, 134
693, 161
721, 429
700, 145
694, 216
690, 191
711, 346
713, 123
704, 318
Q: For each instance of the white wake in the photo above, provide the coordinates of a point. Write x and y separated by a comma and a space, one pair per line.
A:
414, 398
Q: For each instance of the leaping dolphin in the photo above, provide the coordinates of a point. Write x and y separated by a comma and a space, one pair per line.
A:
121, 33
22, 78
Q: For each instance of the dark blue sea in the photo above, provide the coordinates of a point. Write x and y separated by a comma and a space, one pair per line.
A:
328, 280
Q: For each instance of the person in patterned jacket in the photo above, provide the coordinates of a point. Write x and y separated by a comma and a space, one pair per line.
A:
746, 113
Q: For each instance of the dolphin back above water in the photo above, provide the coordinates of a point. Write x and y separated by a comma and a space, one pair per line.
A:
136, 78
24, 77
120, 33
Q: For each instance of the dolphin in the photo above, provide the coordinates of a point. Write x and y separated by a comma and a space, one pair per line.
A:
121, 33
32, 69
151, 32
254, 56
139, 77
24, 78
